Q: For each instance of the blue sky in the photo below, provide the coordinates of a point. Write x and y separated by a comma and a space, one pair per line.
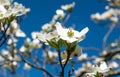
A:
43, 10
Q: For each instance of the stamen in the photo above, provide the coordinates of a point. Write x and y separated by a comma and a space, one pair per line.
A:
70, 33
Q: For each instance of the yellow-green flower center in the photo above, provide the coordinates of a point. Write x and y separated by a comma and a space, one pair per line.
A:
70, 33
1, 15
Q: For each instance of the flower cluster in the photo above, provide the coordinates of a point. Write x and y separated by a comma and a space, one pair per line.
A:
8, 9
58, 43
98, 71
112, 13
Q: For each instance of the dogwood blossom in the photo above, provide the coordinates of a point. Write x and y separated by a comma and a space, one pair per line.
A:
83, 56
27, 66
47, 27
2, 11
68, 7
60, 14
43, 36
98, 69
85, 67
15, 29
5, 2
14, 9
77, 52
70, 35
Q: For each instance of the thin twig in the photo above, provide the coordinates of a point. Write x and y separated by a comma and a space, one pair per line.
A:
107, 35
91, 48
66, 19
59, 56
113, 73
35, 66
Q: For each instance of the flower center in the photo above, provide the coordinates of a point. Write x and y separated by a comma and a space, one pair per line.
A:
70, 33
1, 14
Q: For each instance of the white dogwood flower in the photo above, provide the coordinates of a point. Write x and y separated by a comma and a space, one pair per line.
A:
70, 35
68, 6
5, 2
60, 14
15, 29
14, 9
98, 69
27, 66
2, 11
77, 52
82, 56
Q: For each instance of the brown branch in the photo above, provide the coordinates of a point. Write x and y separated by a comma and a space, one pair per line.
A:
110, 54
35, 66
4, 37
113, 73
91, 48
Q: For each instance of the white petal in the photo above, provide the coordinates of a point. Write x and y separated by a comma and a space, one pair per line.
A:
19, 33
103, 66
84, 31
59, 27
77, 52
2, 10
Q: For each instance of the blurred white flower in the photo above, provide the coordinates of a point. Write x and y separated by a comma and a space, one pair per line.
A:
107, 14
27, 66
96, 17
18, 9
114, 44
98, 59
51, 56
4, 52
14, 9
100, 69
78, 71
114, 19
1, 59
27, 46
117, 56
104, 52
36, 41
2, 11
12, 40
85, 67
22, 49
68, 6
60, 12
70, 35
113, 65
14, 63
5, 2
20, 33
35, 35
47, 27
83, 56
42, 36
10, 57
15, 29
77, 52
